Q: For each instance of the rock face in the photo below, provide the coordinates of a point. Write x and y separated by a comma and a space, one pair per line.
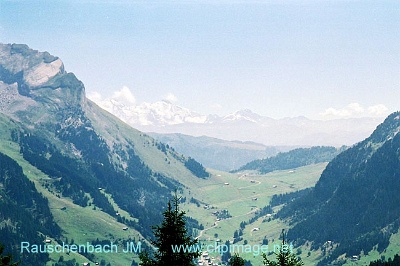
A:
31, 79
40, 74
35, 68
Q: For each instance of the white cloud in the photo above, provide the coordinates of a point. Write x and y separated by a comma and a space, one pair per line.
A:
355, 110
94, 96
124, 96
97, 98
378, 110
171, 98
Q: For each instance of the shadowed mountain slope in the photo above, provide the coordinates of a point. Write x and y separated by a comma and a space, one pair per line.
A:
355, 202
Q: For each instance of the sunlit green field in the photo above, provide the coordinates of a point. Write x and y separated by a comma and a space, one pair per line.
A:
243, 194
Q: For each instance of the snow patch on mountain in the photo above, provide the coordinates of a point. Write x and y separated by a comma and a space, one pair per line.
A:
243, 115
161, 113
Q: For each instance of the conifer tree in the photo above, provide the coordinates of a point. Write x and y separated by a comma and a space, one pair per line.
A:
146, 260
284, 257
236, 260
172, 234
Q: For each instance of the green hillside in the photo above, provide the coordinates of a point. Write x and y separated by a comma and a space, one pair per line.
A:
359, 188
244, 196
209, 151
97, 174
292, 159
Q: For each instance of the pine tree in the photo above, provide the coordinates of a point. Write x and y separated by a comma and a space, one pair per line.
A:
145, 259
236, 260
170, 234
284, 257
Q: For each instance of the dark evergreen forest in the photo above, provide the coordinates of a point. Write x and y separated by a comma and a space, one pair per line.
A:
24, 213
293, 159
355, 202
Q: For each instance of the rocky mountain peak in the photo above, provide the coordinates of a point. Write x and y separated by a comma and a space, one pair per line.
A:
33, 67
31, 79
388, 129
244, 114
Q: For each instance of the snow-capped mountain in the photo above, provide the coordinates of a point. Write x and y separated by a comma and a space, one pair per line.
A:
245, 115
244, 125
162, 113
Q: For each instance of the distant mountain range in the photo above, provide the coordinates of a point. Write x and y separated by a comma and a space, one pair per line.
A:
217, 153
244, 125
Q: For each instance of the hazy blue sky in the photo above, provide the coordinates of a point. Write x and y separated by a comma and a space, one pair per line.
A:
278, 58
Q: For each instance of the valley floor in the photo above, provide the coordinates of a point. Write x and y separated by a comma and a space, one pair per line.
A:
241, 196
